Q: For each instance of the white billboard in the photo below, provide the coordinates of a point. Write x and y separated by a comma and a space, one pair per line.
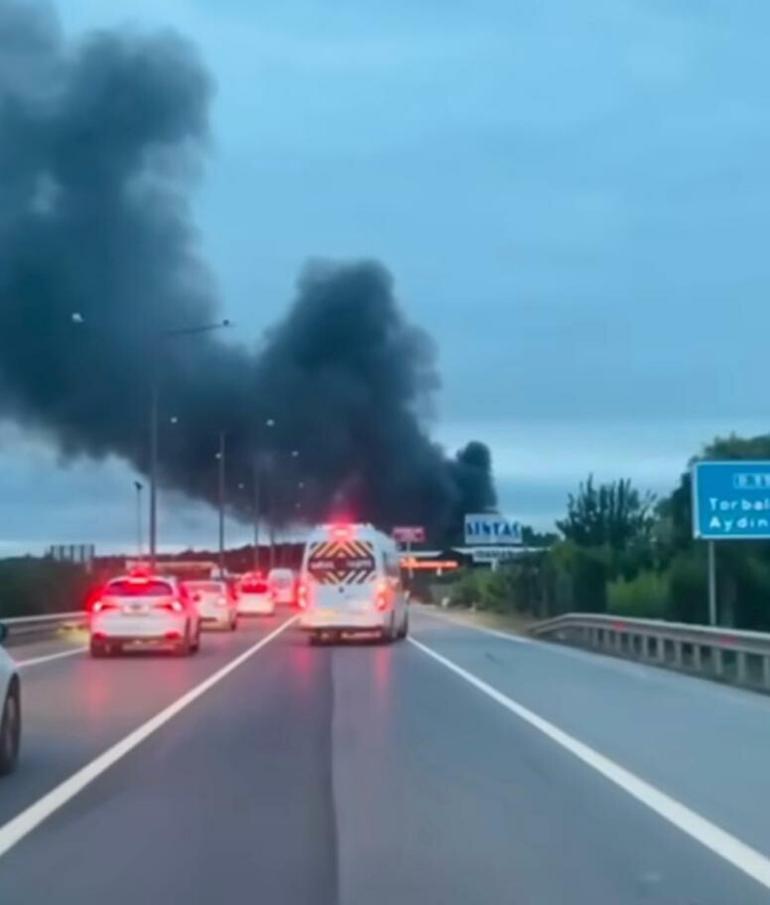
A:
491, 529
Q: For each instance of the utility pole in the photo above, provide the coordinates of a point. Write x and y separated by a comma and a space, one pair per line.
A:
221, 458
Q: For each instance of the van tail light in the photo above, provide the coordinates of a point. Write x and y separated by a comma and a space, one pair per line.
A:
381, 596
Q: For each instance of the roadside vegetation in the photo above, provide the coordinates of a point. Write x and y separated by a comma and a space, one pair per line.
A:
31, 586
619, 550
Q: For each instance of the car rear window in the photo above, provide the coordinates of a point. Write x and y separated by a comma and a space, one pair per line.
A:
254, 587
281, 581
126, 587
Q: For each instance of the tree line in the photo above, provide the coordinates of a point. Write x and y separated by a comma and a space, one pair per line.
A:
622, 550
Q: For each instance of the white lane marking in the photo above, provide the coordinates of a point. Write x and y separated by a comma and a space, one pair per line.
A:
717, 840
33, 661
18, 827
645, 672
507, 636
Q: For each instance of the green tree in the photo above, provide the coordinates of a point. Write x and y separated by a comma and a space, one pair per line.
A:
616, 515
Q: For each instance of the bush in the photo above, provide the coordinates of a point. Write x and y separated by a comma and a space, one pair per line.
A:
30, 586
688, 588
643, 597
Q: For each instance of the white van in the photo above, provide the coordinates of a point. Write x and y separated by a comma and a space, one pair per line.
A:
351, 583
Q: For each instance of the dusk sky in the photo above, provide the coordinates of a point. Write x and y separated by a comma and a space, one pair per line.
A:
572, 198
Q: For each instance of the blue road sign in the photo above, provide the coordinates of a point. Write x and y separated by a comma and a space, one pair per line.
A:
731, 500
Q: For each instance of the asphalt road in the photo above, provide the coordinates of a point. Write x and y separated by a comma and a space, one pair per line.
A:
465, 768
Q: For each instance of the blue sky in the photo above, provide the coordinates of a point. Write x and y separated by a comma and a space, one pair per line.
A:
573, 198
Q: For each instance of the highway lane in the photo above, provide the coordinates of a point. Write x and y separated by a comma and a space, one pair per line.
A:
75, 707
706, 744
371, 774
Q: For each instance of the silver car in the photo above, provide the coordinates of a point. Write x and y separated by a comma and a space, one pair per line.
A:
216, 603
10, 710
140, 611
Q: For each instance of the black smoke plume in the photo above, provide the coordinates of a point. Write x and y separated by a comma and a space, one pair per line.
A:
99, 142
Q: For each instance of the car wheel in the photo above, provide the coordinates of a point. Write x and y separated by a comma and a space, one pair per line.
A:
233, 623
97, 649
184, 648
404, 631
195, 645
10, 730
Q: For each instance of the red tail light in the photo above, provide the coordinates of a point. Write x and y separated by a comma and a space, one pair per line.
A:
382, 598
102, 606
302, 595
173, 606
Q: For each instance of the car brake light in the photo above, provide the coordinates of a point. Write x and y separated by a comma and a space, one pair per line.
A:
174, 605
99, 606
302, 595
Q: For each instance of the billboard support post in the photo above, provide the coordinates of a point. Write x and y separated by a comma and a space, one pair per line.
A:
712, 583
730, 501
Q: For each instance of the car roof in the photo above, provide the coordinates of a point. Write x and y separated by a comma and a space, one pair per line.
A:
170, 579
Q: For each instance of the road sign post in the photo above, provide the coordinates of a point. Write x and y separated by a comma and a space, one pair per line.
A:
730, 501
408, 535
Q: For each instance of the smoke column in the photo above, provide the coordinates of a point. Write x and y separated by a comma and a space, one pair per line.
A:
100, 142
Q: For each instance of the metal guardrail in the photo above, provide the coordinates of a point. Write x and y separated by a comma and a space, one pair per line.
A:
724, 654
27, 627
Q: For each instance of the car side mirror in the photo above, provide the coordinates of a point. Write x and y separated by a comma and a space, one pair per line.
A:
3, 632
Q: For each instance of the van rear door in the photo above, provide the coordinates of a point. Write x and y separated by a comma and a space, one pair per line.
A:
342, 574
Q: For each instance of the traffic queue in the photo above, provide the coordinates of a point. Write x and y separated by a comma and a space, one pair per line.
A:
350, 583
164, 608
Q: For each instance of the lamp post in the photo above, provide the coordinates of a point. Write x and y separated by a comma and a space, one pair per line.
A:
221, 494
154, 400
78, 319
139, 540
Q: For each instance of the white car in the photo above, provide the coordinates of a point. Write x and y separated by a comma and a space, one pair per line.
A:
142, 610
351, 584
10, 710
255, 597
216, 603
283, 585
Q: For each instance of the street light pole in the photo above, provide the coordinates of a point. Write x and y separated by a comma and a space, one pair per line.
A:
256, 512
154, 467
221, 458
154, 393
139, 520
270, 424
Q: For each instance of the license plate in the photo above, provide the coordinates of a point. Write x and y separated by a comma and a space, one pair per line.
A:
135, 610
